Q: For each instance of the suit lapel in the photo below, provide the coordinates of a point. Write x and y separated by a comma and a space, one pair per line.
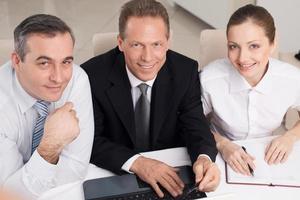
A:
161, 100
120, 95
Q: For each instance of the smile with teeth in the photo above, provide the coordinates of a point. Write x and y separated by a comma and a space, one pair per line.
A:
147, 66
247, 66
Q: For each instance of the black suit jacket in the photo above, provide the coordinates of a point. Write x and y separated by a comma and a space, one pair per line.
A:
176, 117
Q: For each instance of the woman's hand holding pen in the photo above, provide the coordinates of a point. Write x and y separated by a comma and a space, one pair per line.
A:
239, 160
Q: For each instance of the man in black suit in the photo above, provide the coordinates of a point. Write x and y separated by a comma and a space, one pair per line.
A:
171, 113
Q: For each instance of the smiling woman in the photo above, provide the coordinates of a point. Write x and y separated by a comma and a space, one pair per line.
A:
242, 95
249, 50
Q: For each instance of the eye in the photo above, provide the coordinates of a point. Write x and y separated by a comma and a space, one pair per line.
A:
136, 45
156, 44
254, 46
232, 46
67, 62
44, 64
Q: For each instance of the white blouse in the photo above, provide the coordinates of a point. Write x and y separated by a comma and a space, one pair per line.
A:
240, 111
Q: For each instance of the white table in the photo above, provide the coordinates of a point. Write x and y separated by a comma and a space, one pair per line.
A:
178, 157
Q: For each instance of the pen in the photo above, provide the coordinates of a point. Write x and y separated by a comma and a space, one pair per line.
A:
195, 187
188, 192
250, 168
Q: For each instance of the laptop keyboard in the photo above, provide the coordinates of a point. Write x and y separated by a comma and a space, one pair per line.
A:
151, 195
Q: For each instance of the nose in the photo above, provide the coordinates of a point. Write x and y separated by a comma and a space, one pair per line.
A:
56, 74
147, 54
243, 55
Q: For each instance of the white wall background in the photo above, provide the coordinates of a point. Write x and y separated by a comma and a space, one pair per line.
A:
287, 20
214, 12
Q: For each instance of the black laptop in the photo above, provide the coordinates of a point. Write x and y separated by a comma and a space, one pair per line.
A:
130, 187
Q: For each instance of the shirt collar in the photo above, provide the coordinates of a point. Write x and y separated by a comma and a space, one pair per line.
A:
23, 99
265, 84
238, 83
134, 81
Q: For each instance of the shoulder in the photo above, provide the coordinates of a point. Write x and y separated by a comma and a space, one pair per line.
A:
79, 73
180, 61
6, 73
101, 62
284, 70
218, 69
181, 67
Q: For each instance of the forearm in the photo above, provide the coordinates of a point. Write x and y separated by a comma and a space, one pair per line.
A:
220, 140
49, 153
294, 132
34, 178
109, 155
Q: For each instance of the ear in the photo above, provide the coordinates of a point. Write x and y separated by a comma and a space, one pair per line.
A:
120, 42
169, 39
15, 60
274, 45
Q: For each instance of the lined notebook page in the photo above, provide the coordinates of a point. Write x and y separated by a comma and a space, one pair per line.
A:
287, 173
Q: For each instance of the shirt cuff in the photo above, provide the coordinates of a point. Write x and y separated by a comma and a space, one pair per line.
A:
204, 155
126, 166
38, 174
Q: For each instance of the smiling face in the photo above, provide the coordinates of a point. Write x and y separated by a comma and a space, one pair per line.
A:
145, 46
47, 67
248, 50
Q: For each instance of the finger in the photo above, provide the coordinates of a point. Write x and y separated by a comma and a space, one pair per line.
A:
232, 166
213, 179
267, 148
176, 187
239, 167
242, 164
156, 188
285, 157
73, 112
250, 163
177, 179
274, 156
198, 170
245, 158
269, 151
249, 160
208, 176
165, 184
67, 106
279, 157
211, 185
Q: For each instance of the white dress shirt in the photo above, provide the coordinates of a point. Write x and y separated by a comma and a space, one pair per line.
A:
135, 93
31, 174
240, 111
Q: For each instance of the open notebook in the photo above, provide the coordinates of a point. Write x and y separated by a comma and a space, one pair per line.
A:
286, 174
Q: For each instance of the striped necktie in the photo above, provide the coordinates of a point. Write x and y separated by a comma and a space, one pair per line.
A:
42, 108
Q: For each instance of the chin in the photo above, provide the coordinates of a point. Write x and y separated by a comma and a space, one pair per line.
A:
147, 76
51, 98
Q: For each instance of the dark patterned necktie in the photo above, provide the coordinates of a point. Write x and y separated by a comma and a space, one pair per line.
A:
142, 119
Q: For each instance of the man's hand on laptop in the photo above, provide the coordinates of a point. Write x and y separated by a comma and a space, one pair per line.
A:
207, 173
154, 172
